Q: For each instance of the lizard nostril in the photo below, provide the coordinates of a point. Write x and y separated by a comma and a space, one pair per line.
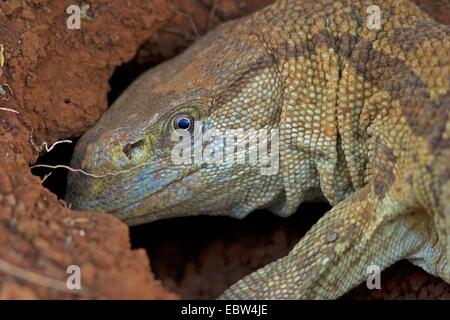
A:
128, 149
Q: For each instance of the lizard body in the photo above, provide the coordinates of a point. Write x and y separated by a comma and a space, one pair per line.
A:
363, 121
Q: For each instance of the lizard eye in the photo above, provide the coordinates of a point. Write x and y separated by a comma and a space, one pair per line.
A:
183, 123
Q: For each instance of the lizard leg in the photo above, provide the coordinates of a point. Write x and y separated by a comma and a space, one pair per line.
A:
434, 194
334, 255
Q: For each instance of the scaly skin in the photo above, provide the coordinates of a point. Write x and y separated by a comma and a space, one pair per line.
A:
363, 117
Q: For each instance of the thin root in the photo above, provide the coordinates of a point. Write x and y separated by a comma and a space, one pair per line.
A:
47, 149
189, 16
212, 13
3, 92
44, 144
46, 176
2, 56
9, 110
96, 176
84, 12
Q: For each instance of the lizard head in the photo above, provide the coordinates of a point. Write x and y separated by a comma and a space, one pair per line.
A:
219, 83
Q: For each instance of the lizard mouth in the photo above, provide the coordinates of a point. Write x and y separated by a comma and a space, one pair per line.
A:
149, 207
141, 195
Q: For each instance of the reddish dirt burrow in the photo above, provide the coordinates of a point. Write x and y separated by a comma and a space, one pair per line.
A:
57, 79
59, 82
190, 20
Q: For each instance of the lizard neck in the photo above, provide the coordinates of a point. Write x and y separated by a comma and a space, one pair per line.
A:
342, 80
310, 56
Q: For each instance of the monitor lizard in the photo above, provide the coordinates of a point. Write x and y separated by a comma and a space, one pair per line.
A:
362, 110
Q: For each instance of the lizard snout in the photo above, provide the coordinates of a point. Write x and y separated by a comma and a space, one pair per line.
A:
110, 161
110, 151
131, 149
